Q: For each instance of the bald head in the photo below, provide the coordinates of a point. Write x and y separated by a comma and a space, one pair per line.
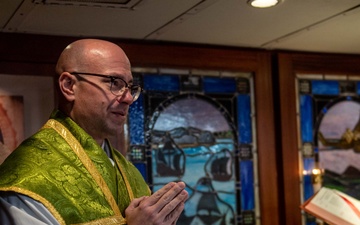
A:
85, 53
84, 86
89, 56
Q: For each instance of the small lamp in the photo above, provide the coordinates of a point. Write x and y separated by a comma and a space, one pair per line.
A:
316, 178
263, 3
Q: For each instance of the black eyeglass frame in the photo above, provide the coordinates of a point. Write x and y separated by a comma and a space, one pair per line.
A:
131, 88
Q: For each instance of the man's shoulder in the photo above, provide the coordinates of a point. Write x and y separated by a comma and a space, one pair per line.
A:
40, 141
30, 157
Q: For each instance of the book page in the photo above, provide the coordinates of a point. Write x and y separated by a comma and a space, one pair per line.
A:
353, 200
333, 202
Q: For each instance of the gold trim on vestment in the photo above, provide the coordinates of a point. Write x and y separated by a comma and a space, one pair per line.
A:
38, 198
128, 187
80, 152
114, 220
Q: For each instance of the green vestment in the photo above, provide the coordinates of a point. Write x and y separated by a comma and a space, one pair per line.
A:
64, 168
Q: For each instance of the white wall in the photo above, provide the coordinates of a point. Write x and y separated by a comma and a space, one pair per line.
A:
38, 96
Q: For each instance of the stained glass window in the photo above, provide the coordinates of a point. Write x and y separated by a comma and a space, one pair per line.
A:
197, 126
328, 124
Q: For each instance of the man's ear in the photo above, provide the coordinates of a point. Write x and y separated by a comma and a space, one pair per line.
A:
66, 85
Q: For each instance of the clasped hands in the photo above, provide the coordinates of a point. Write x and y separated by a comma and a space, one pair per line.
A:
164, 207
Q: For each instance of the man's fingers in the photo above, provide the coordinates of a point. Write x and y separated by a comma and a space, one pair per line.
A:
173, 205
136, 202
163, 207
170, 193
174, 196
166, 193
174, 215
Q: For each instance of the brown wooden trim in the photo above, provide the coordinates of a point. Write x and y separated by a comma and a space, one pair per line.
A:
194, 57
25, 68
42, 50
26, 54
325, 63
289, 147
267, 155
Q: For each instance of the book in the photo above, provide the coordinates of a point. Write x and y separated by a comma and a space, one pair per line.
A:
333, 207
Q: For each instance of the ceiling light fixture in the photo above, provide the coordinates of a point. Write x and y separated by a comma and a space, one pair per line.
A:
263, 3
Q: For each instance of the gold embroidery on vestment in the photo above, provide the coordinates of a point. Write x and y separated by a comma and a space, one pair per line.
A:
114, 220
80, 152
128, 187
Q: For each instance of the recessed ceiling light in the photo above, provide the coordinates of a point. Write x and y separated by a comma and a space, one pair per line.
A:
263, 3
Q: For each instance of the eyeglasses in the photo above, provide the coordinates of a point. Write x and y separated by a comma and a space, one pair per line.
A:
118, 85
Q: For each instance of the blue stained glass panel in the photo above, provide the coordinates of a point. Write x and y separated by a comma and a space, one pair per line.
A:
192, 139
329, 113
136, 121
325, 87
309, 165
316, 150
219, 85
306, 118
161, 82
358, 88
244, 119
142, 168
247, 185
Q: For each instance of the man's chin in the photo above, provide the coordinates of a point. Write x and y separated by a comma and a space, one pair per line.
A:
116, 128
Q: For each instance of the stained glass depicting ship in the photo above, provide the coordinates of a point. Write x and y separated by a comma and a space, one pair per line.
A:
192, 134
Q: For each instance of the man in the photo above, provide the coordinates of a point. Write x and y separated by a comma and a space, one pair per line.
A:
67, 173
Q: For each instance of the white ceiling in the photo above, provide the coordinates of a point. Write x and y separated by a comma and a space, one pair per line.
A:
306, 25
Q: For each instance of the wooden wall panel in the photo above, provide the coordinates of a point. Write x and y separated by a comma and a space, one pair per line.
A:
289, 64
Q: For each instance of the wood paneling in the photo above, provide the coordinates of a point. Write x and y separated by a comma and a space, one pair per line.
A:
289, 65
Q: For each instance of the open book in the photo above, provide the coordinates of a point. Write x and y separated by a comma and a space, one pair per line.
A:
333, 207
